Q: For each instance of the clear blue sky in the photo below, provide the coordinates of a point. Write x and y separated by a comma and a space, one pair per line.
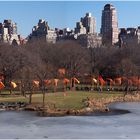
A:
63, 14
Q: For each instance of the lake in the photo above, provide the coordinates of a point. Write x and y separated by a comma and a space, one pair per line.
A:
23, 124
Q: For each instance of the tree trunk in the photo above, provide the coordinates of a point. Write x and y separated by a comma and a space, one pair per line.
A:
54, 88
43, 99
72, 84
30, 98
10, 91
65, 86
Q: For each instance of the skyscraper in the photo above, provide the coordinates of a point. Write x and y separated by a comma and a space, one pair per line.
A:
109, 25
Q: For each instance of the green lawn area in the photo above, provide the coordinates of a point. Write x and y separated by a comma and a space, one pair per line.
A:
67, 100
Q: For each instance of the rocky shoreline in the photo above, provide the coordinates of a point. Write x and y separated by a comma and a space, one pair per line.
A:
6, 106
90, 105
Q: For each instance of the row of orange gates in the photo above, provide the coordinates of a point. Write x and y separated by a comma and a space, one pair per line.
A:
36, 83
119, 81
135, 81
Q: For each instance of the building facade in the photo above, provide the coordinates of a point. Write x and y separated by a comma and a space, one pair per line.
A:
109, 25
129, 36
8, 33
64, 34
90, 40
43, 31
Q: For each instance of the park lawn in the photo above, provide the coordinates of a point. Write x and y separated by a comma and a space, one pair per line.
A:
63, 100
13, 98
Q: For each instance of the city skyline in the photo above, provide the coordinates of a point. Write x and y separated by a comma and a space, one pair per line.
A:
62, 14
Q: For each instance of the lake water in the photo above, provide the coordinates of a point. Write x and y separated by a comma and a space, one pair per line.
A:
23, 124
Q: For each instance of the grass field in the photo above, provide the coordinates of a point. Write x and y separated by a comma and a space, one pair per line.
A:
67, 100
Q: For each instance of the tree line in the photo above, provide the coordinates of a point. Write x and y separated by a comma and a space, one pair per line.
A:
39, 60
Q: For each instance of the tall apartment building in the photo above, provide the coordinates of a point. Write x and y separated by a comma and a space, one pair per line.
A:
80, 29
109, 25
85, 32
43, 31
87, 25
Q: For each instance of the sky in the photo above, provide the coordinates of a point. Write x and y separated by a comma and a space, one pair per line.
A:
62, 14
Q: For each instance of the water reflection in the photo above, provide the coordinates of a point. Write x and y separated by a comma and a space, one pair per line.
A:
109, 113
